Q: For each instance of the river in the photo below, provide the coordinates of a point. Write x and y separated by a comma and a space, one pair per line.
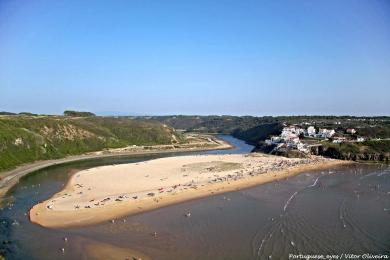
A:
340, 210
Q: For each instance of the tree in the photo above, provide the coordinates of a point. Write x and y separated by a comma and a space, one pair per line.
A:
78, 113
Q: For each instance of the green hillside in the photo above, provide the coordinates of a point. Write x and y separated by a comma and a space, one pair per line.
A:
369, 150
248, 128
29, 138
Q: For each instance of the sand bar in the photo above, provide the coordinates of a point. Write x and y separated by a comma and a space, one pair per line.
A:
109, 192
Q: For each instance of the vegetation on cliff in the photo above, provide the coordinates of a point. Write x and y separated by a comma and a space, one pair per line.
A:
258, 133
29, 138
378, 150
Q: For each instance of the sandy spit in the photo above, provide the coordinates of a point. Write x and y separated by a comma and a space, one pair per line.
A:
109, 192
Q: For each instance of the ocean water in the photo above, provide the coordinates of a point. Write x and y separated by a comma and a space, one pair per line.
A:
341, 210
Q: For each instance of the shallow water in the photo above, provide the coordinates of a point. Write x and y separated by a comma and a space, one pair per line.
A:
342, 210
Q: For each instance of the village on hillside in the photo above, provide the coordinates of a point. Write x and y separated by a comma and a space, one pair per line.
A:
303, 136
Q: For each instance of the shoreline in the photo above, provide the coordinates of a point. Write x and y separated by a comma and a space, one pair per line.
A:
65, 216
11, 177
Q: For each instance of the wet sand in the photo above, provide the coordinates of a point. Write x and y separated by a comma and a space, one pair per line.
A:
109, 192
96, 250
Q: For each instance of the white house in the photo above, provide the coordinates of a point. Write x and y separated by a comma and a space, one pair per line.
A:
325, 133
273, 140
360, 139
311, 131
339, 140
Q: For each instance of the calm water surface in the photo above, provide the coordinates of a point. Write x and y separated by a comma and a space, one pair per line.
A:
341, 210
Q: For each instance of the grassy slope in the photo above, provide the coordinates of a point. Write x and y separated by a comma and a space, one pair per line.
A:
26, 139
369, 150
258, 133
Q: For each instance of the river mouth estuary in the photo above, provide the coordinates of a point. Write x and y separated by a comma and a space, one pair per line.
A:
345, 209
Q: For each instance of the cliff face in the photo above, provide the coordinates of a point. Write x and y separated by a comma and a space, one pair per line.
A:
256, 135
261, 147
335, 153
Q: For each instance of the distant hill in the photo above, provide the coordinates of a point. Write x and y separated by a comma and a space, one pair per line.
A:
29, 138
6, 113
254, 130
248, 128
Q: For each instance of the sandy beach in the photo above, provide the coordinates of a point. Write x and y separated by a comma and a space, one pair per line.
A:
193, 142
110, 192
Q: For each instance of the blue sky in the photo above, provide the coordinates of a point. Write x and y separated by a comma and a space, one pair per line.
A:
196, 57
